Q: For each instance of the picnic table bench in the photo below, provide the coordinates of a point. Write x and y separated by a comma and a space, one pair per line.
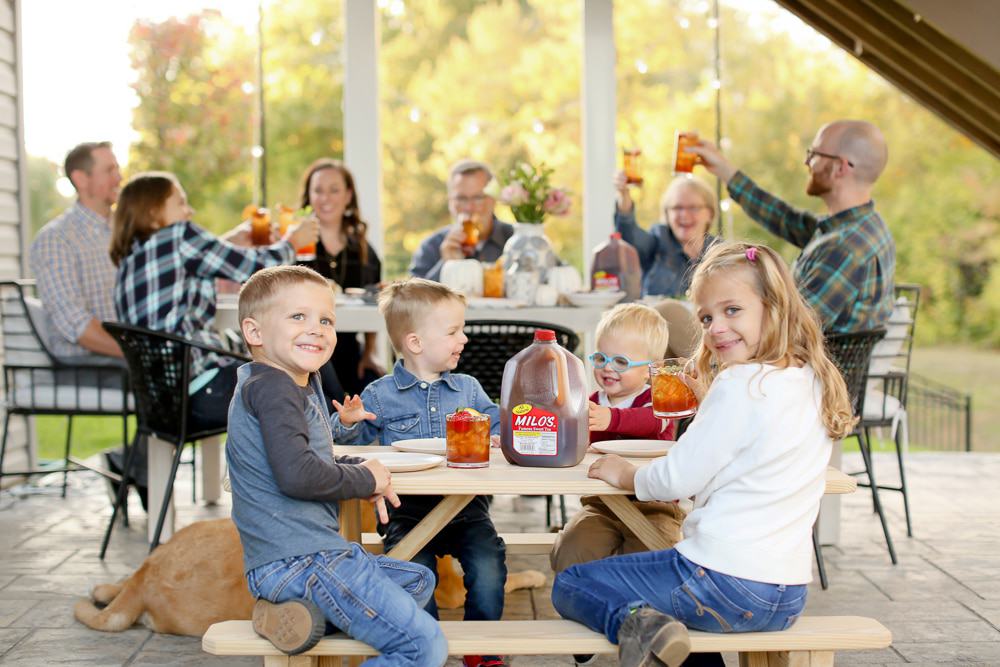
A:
811, 642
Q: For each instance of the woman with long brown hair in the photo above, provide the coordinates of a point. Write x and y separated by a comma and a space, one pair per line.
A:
344, 256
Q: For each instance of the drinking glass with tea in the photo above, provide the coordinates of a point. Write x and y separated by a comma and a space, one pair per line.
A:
632, 167
467, 439
493, 279
672, 398
306, 253
260, 226
470, 227
684, 161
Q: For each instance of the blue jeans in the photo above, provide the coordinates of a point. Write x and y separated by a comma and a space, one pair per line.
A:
482, 554
600, 594
375, 599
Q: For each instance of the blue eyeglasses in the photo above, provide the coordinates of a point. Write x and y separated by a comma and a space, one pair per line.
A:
619, 363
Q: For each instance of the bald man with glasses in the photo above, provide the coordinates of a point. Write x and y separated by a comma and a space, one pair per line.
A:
848, 259
467, 198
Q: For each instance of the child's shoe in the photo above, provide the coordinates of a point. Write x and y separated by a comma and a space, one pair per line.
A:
293, 627
649, 638
483, 661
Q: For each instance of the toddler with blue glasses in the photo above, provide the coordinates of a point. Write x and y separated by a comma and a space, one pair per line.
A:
629, 337
425, 321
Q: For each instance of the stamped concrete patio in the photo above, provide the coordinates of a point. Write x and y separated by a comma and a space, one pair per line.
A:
942, 602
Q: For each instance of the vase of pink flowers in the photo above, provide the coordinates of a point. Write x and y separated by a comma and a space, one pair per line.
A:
528, 254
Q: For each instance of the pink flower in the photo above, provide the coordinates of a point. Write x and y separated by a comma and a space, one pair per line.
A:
557, 203
514, 194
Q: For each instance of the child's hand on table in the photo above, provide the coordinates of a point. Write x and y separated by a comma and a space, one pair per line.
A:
599, 417
352, 410
614, 470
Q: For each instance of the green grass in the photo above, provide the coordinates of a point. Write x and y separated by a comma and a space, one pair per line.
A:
90, 435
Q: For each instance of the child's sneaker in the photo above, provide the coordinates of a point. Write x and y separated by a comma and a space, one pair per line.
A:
649, 638
293, 626
483, 661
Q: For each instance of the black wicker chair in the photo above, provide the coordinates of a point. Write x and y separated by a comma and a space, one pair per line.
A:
36, 382
852, 352
491, 344
160, 368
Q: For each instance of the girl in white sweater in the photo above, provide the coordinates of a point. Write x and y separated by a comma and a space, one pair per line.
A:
754, 458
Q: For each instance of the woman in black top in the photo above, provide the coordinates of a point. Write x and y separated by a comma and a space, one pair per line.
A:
344, 256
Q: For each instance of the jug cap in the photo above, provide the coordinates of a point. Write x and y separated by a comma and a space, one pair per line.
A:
545, 334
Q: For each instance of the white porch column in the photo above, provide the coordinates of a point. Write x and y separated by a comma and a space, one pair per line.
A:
362, 142
598, 98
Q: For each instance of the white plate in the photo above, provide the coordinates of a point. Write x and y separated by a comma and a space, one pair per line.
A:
422, 445
600, 299
405, 461
634, 448
484, 302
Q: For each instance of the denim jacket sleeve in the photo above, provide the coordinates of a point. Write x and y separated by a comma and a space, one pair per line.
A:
366, 431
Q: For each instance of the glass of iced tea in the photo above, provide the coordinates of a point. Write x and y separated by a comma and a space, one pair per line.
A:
260, 226
493, 279
672, 398
683, 160
467, 439
470, 226
633, 171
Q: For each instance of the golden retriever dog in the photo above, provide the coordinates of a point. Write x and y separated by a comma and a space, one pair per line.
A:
196, 579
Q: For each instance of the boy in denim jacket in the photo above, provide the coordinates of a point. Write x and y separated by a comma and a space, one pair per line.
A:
286, 486
425, 322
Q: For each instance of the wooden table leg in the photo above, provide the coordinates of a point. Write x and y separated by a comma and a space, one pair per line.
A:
350, 519
636, 522
429, 526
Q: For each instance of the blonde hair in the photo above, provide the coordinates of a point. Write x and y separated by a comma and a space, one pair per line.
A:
790, 333
699, 187
404, 304
258, 293
636, 319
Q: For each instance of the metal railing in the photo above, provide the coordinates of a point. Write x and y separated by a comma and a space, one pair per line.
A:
940, 418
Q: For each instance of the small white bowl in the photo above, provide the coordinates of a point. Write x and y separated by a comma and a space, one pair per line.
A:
594, 299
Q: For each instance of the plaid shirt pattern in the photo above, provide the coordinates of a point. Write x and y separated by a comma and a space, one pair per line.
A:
167, 282
848, 260
75, 277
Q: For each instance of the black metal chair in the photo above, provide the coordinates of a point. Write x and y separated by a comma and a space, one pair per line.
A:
36, 382
491, 344
852, 352
160, 367
888, 386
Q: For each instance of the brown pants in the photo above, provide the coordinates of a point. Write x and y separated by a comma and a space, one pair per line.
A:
595, 532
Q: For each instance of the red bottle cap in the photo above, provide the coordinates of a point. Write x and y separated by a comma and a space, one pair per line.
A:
616, 235
545, 334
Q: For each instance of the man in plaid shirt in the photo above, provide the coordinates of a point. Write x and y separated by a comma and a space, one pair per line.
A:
69, 258
848, 259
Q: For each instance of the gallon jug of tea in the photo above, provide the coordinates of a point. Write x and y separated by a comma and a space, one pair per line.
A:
615, 267
543, 406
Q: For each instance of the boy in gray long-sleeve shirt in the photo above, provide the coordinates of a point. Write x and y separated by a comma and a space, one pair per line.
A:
286, 486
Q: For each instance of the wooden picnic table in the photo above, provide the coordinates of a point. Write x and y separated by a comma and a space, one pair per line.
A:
460, 486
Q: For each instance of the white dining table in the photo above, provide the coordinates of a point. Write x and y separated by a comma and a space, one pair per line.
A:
353, 315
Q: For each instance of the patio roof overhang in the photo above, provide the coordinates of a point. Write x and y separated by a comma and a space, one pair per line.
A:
913, 51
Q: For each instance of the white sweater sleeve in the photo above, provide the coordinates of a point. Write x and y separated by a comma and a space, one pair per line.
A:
723, 426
